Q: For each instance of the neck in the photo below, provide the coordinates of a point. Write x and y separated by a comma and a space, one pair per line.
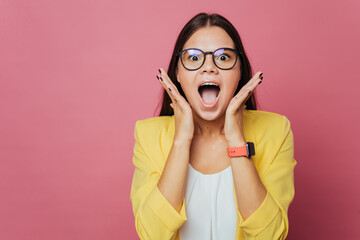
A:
209, 129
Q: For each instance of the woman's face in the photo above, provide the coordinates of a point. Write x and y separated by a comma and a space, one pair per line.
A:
208, 102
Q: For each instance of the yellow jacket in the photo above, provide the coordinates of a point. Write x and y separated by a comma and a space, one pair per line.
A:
155, 217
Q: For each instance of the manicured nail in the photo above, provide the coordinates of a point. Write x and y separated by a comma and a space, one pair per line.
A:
161, 79
159, 70
157, 77
261, 78
260, 82
260, 75
170, 89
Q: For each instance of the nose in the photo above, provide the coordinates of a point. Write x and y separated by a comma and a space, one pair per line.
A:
209, 65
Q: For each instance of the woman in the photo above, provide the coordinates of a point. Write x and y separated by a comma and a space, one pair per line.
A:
197, 175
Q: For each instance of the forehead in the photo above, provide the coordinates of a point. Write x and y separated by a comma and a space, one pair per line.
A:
209, 38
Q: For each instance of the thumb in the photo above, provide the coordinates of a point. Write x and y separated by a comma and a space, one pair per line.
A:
172, 105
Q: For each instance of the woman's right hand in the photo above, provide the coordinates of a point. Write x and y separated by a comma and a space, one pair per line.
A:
184, 123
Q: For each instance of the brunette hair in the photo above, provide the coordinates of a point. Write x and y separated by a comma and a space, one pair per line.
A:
199, 21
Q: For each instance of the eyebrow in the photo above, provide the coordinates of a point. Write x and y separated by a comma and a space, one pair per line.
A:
208, 49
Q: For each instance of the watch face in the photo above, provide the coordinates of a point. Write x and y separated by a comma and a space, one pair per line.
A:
250, 148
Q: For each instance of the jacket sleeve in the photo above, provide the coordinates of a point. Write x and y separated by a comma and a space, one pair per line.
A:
155, 217
270, 220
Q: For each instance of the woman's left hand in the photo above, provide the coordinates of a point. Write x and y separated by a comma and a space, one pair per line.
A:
233, 126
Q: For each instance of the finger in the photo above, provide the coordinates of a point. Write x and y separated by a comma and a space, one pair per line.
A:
243, 95
251, 85
255, 80
165, 77
167, 89
240, 99
176, 95
248, 96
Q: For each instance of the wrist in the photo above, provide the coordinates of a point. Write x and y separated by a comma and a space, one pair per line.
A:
182, 141
236, 142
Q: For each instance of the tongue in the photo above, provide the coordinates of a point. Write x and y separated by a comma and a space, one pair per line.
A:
208, 95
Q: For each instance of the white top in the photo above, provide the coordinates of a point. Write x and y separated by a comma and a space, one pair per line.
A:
210, 206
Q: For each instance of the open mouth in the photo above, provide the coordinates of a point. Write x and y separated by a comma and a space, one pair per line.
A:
209, 93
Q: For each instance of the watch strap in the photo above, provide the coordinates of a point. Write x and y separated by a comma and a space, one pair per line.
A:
247, 150
238, 151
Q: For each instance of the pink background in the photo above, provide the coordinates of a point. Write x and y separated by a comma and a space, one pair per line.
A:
76, 75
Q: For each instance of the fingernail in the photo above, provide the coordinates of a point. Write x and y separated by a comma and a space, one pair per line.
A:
160, 79
260, 82
260, 75
170, 89
159, 70
261, 78
157, 77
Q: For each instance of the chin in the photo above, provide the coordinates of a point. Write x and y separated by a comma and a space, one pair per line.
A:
209, 115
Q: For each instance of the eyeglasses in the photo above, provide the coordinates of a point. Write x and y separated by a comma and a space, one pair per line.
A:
224, 58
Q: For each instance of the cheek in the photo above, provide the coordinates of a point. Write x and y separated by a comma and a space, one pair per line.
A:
229, 90
187, 80
187, 88
233, 80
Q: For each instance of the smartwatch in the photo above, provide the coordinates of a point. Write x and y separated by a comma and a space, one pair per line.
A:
247, 150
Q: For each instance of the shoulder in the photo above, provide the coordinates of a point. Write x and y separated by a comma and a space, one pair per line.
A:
271, 134
155, 121
155, 131
153, 138
153, 125
266, 121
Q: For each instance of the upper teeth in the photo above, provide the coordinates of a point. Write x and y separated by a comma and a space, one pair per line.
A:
213, 84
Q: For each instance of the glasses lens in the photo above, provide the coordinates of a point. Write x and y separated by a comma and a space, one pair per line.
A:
225, 58
192, 58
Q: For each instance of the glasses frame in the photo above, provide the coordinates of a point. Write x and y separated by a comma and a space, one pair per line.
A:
238, 53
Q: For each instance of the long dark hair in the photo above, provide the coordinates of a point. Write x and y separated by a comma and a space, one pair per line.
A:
199, 21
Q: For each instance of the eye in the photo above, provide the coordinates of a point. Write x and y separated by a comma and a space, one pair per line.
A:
224, 57
193, 55
194, 58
